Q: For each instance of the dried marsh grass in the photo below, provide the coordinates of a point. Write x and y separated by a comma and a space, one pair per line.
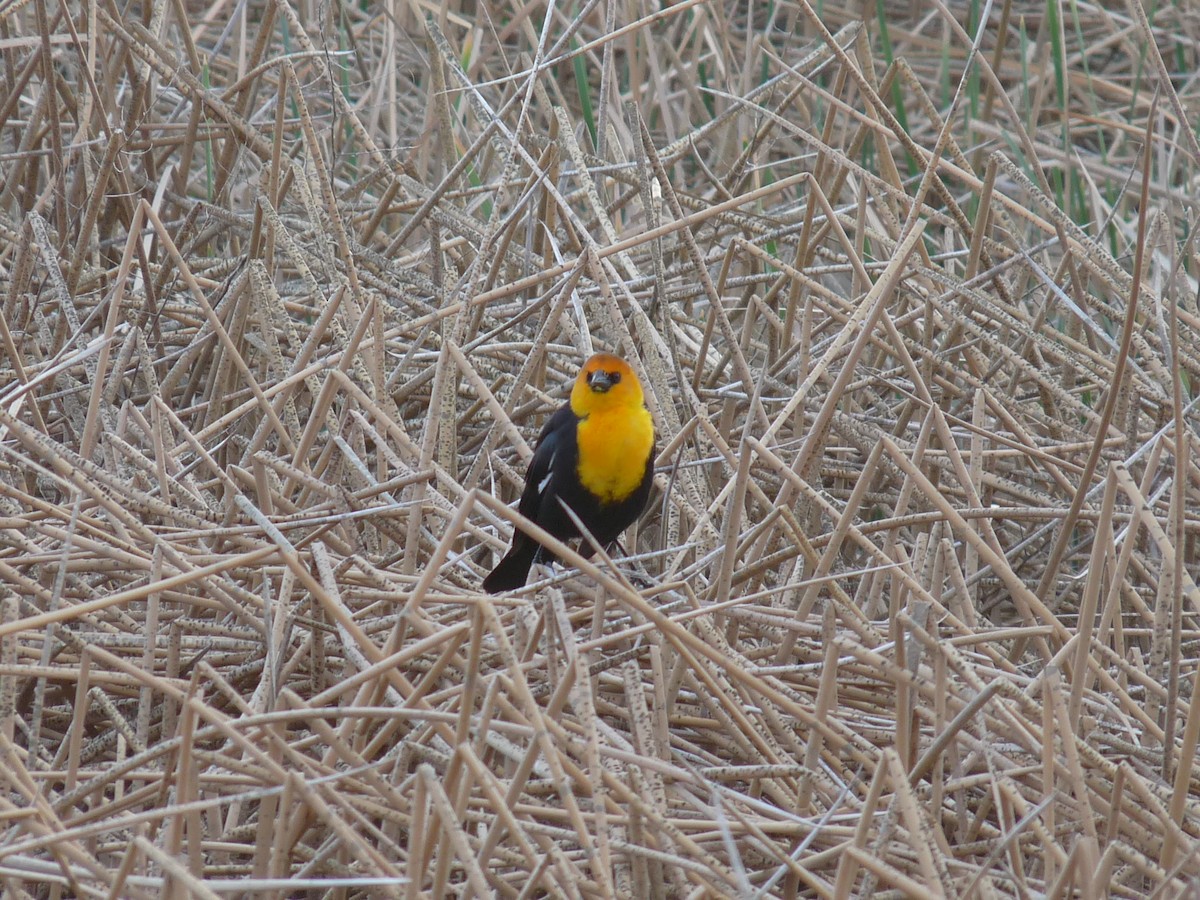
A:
288, 289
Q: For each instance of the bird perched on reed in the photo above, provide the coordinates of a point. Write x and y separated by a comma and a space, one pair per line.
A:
596, 456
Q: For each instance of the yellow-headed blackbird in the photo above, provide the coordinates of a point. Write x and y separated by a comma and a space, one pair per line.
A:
596, 455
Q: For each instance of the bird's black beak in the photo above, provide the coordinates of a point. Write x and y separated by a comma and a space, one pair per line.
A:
600, 381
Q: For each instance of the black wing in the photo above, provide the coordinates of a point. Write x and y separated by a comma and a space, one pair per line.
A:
551, 441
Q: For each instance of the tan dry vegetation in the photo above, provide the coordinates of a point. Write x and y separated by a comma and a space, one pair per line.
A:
289, 288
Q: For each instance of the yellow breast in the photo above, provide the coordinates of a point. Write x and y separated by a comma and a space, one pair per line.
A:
613, 448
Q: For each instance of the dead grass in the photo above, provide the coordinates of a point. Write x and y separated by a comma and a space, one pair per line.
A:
287, 293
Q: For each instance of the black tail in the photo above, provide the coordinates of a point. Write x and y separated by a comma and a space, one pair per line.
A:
512, 571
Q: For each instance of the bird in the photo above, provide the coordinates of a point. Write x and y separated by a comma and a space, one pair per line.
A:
596, 456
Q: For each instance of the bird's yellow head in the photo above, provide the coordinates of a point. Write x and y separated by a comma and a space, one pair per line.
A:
605, 382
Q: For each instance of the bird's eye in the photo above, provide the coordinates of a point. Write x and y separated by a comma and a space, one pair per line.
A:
614, 377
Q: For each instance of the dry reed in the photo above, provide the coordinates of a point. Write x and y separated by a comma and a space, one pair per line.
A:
287, 291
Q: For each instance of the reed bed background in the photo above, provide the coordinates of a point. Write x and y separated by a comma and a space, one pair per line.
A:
288, 289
